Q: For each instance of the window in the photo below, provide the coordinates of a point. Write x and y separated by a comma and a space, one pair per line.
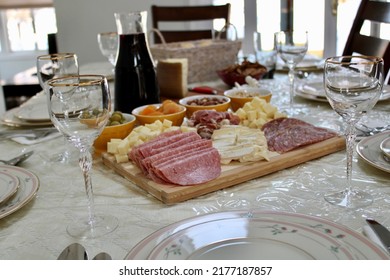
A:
26, 29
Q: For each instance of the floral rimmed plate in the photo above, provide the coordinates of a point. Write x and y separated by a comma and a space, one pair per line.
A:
368, 149
314, 90
9, 184
29, 185
257, 235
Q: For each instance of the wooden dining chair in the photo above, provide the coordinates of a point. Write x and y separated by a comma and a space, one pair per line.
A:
373, 11
186, 14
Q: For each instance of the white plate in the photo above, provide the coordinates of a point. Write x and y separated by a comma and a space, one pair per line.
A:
143, 248
33, 113
368, 149
314, 90
9, 118
257, 235
29, 185
9, 184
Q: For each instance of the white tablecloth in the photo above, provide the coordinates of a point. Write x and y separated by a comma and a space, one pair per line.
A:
38, 230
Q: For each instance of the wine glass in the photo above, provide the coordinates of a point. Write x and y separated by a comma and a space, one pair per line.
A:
291, 47
108, 45
353, 85
79, 107
265, 51
54, 66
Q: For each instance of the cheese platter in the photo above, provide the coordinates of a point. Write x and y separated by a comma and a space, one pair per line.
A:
232, 174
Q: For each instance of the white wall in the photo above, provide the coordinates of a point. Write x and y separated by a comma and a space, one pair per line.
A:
79, 22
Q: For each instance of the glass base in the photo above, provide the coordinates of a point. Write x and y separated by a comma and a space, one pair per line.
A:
349, 199
102, 225
65, 157
294, 111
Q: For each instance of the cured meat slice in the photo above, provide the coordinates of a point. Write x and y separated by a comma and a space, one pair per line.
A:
172, 152
155, 168
144, 150
206, 121
179, 152
136, 151
199, 168
286, 134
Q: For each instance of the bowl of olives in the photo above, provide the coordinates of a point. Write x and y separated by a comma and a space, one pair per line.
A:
118, 126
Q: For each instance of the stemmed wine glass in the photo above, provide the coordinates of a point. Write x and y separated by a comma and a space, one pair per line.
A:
353, 85
108, 45
291, 47
79, 107
54, 66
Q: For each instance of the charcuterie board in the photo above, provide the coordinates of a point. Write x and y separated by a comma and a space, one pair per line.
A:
232, 174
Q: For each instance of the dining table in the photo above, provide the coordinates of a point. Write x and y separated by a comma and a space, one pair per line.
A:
35, 229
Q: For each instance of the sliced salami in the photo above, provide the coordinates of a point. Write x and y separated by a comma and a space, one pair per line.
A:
176, 158
196, 169
286, 134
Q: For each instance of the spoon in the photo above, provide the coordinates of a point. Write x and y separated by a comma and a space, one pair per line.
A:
18, 159
74, 251
102, 256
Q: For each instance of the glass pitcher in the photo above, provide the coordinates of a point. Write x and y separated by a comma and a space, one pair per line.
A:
135, 73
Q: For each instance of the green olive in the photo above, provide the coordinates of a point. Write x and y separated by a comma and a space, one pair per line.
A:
116, 117
114, 123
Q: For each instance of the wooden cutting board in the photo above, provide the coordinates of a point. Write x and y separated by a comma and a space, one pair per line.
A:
231, 175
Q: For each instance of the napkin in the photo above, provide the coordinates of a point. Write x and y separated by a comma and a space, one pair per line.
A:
25, 141
370, 234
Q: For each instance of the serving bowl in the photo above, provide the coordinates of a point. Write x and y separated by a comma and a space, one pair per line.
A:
198, 102
240, 96
118, 131
238, 72
176, 118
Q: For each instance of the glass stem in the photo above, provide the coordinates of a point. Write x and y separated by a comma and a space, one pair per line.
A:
291, 74
85, 162
350, 142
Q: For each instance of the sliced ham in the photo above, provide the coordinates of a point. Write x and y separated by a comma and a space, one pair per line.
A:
286, 134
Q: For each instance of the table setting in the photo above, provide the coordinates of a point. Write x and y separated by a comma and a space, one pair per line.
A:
275, 204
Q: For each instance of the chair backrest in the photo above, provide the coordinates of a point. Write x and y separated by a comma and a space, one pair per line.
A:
374, 11
187, 14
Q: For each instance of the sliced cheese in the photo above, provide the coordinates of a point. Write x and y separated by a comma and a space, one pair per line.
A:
240, 143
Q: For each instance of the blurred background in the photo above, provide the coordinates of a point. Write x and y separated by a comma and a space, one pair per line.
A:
74, 24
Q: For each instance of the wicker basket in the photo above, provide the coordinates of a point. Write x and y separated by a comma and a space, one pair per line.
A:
205, 57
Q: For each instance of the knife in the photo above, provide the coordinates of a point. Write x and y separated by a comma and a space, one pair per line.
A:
382, 233
203, 89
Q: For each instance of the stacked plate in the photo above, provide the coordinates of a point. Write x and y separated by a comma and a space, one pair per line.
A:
17, 187
375, 150
256, 235
33, 113
314, 90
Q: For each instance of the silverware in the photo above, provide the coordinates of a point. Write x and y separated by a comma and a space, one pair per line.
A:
382, 233
102, 256
74, 251
31, 134
18, 159
368, 131
203, 89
